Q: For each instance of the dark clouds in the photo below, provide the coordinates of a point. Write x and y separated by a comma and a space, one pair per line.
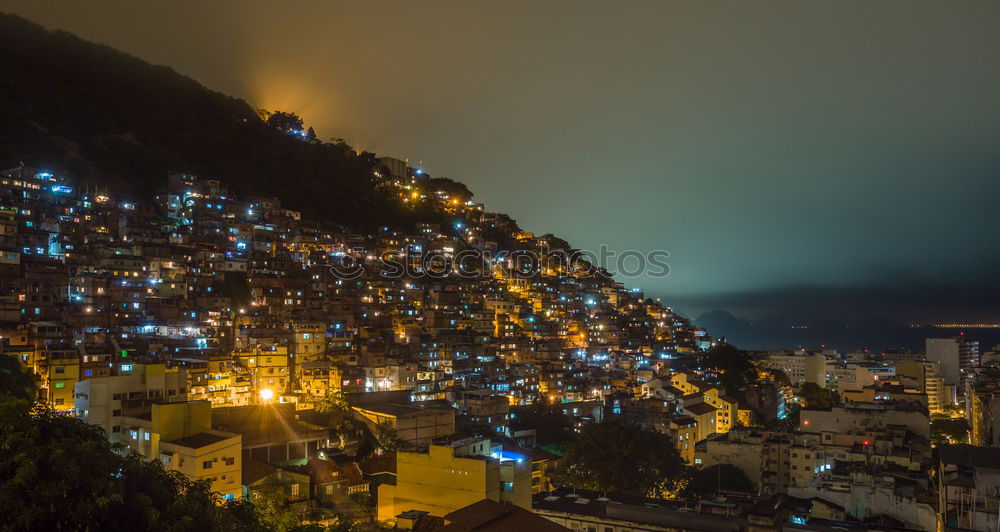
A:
766, 145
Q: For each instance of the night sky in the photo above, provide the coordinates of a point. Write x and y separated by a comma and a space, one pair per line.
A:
815, 159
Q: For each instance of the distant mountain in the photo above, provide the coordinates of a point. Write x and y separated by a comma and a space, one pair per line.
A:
100, 116
876, 334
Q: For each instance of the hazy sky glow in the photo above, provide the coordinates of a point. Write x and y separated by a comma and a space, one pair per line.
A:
768, 146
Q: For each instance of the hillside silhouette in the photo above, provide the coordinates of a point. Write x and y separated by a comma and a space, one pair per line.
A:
102, 117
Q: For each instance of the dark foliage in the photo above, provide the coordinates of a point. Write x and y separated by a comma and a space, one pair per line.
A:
60, 473
451, 187
706, 482
949, 429
734, 367
816, 396
620, 454
553, 429
100, 116
14, 382
285, 122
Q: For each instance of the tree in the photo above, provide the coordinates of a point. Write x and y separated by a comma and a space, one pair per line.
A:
348, 429
949, 429
386, 436
620, 454
815, 396
61, 473
705, 482
553, 429
14, 381
779, 377
285, 122
453, 188
733, 366
468, 429
273, 510
334, 402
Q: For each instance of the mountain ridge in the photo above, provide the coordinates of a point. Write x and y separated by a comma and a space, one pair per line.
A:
106, 118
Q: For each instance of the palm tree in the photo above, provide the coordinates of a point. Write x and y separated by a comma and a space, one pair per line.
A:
386, 436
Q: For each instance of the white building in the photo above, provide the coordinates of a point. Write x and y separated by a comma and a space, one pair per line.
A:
105, 401
800, 367
958, 357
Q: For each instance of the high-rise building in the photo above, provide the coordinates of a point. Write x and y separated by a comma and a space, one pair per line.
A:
927, 376
958, 357
800, 367
984, 409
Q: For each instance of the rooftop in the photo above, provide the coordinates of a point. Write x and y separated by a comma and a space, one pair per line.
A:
491, 516
969, 456
700, 408
201, 439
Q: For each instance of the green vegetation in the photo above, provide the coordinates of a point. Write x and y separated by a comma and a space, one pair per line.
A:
734, 367
333, 402
388, 439
15, 383
60, 473
57, 472
620, 454
553, 429
779, 377
453, 188
946, 429
704, 482
816, 396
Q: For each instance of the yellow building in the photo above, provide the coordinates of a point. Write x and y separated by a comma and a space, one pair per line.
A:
316, 380
180, 436
62, 373
873, 395
686, 383
417, 423
729, 414
705, 415
744, 417
220, 380
308, 342
449, 477
984, 411
928, 379
685, 429
269, 370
